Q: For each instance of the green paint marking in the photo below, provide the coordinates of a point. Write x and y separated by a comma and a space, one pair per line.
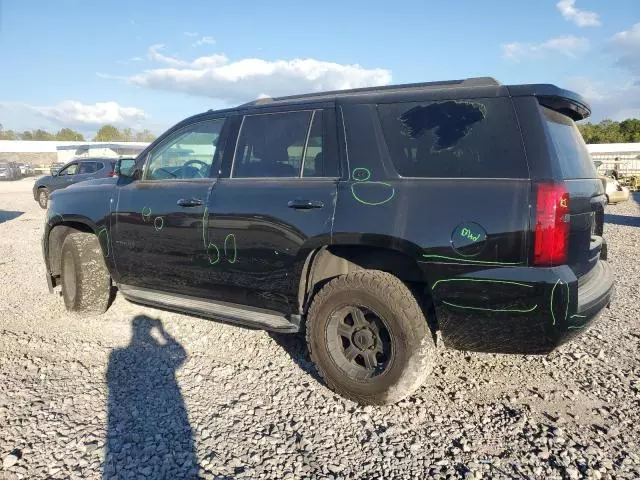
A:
158, 225
464, 260
213, 262
553, 315
508, 282
205, 222
106, 234
364, 202
566, 311
355, 175
514, 310
578, 316
361, 176
233, 237
466, 233
571, 327
146, 213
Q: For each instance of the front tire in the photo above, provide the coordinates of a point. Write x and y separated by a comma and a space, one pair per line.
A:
86, 284
369, 338
43, 197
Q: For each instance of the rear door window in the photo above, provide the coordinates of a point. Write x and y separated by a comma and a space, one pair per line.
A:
272, 145
572, 154
87, 167
474, 138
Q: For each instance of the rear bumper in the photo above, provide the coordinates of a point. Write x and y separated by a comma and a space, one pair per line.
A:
524, 310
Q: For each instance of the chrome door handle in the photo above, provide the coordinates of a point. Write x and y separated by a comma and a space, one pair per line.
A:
192, 202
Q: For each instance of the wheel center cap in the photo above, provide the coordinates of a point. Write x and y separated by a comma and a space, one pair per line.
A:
363, 339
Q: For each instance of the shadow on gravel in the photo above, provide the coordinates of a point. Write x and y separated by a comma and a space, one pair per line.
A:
5, 215
296, 347
149, 434
625, 220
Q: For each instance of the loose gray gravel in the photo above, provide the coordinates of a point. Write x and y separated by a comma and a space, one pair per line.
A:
117, 396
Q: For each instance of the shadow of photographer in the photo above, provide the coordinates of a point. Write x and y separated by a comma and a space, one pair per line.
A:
149, 434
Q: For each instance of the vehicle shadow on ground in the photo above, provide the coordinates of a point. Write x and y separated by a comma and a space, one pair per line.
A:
625, 220
296, 347
148, 434
6, 215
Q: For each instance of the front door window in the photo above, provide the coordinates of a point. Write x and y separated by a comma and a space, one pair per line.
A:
188, 154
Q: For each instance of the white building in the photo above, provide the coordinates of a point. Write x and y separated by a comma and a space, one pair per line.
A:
625, 155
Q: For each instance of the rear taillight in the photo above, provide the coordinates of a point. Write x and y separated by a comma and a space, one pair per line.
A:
551, 234
112, 174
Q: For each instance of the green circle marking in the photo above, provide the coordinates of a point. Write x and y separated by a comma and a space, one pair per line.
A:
209, 251
356, 176
146, 213
364, 202
231, 236
105, 234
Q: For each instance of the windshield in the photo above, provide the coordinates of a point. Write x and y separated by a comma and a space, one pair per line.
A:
571, 151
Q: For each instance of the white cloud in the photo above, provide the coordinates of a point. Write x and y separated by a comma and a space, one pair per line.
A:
135, 59
204, 41
190, 34
218, 77
582, 18
626, 45
71, 112
568, 45
614, 101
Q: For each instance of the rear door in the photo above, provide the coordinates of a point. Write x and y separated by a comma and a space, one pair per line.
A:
274, 207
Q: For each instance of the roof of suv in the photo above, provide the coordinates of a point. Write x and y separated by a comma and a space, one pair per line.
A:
564, 101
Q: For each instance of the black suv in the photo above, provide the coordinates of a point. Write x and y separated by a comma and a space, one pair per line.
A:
369, 218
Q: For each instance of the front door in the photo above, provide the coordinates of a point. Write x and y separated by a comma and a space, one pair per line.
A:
274, 207
158, 231
65, 177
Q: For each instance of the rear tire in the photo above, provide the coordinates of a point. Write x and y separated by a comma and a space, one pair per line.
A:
86, 284
368, 338
43, 197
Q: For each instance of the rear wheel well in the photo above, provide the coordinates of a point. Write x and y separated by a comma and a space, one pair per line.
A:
329, 262
57, 236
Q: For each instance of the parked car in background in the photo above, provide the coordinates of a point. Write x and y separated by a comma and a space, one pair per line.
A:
367, 218
7, 172
77, 170
615, 192
25, 169
55, 167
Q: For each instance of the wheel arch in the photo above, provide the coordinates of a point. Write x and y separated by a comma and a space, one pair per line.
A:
57, 234
329, 261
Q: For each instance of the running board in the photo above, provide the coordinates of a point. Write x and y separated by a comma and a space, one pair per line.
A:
228, 312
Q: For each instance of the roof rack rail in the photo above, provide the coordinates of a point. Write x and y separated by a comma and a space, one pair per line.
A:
468, 82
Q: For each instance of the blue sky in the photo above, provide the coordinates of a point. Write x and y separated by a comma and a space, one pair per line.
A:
149, 64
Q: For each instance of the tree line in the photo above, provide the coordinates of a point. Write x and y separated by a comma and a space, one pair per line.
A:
106, 133
609, 131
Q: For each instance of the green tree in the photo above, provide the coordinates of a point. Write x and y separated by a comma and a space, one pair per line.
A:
68, 134
26, 135
145, 136
108, 133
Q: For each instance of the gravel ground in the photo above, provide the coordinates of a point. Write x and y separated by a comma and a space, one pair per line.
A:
139, 392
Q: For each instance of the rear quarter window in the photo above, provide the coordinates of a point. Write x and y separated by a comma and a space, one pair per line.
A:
568, 145
474, 138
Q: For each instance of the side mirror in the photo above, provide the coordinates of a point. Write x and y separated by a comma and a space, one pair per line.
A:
126, 167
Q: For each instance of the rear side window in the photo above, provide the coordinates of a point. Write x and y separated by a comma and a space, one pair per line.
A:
475, 138
571, 151
272, 145
87, 167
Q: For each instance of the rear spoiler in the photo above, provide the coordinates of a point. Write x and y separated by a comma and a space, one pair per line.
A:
563, 101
